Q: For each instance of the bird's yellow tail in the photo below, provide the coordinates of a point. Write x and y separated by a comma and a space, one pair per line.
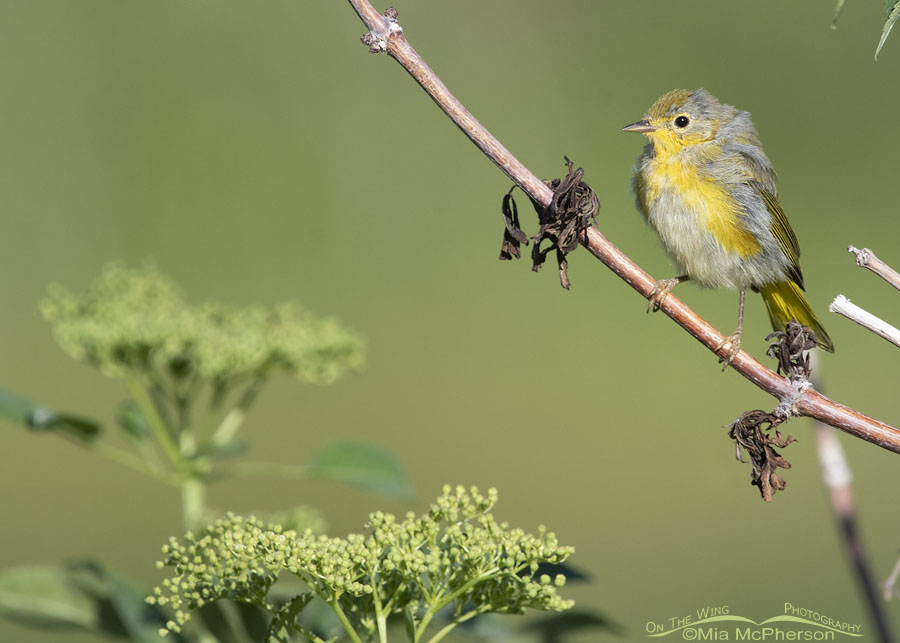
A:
785, 302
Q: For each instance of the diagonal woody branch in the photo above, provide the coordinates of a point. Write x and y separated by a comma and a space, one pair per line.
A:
387, 36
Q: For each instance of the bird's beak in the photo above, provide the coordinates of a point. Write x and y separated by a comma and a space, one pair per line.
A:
641, 127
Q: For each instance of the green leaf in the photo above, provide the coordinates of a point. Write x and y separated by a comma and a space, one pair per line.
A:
892, 12
254, 621
221, 620
72, 425
80, 596
361, 465
320, 620
557, 626
285, 622
46, 596
409, 622
132, 420
123, 608
20, 410
14, 408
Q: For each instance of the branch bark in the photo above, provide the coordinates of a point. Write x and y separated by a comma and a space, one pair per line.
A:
865, 258
385, 35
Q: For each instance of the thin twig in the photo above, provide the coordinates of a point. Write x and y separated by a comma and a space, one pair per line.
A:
157, 425
265, 469
238, 413
891, 581
130, 460
838, 480
865, 258
843, 504
843, 306
386, 35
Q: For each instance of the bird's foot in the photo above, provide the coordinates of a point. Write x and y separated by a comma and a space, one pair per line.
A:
661, 290
734, 340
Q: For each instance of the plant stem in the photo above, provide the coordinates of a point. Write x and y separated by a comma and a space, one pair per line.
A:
390, 602
289, 471
423, 624
380, 616
157, 426
382, 628
444, 631
449, 598
235, 416
127, 459
891, 581
336, 606
193, 502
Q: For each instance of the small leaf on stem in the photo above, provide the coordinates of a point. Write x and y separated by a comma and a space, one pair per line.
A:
361, 465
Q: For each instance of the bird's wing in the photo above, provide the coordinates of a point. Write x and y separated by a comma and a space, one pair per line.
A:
781, 229
640, 193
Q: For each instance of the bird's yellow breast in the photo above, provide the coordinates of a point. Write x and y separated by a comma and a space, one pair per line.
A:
671, 181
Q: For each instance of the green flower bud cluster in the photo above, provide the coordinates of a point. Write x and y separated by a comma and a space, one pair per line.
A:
299, 518
456, 557
136, 320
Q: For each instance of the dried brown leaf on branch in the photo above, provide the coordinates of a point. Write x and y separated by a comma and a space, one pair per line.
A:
513, 236
756, 432
570, 212
791, 349
749, 435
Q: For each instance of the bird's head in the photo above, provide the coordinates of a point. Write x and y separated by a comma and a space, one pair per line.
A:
682, 118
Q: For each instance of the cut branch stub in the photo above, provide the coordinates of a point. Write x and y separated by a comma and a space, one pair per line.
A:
865, 258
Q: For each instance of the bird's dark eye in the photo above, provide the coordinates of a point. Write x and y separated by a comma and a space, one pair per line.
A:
682, 121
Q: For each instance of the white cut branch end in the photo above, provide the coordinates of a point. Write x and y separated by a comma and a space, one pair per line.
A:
843, 306
865, 258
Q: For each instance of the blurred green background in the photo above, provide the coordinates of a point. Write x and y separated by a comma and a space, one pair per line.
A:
257, 153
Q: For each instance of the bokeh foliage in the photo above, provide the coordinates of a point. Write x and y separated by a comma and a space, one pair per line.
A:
136, 320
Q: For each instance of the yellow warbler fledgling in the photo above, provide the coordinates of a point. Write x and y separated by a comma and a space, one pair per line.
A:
706, 186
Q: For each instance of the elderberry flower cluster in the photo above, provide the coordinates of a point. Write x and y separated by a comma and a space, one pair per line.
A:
136, 320
455, 557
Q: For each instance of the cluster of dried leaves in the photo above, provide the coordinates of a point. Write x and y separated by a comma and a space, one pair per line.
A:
756, 432
749, 435
791, 350
571, 211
